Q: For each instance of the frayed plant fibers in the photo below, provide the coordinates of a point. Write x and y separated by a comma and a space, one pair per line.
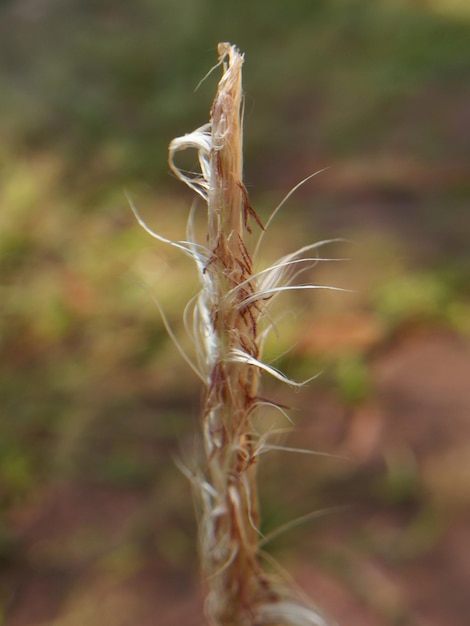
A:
228, 322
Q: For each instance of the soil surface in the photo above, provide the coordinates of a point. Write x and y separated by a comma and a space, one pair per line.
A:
396, 554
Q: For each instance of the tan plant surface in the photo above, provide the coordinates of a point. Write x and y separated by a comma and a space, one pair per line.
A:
228, 321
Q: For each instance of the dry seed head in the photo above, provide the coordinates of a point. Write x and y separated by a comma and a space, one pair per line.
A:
223, 321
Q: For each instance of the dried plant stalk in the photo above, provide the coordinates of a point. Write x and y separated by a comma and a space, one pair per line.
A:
226, 317
230, 536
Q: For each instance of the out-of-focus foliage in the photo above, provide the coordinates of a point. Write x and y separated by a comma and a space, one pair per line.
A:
91, 387
107, 85
91, 95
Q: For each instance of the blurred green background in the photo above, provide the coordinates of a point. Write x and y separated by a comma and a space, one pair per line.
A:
96, 522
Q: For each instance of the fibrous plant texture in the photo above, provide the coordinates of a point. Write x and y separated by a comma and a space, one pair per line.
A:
228, 322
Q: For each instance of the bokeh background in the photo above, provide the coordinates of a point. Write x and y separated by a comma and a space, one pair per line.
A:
96, 521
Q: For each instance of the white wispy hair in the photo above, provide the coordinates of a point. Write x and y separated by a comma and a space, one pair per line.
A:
223, 320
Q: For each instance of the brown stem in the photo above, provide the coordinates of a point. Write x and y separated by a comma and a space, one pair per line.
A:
236, 580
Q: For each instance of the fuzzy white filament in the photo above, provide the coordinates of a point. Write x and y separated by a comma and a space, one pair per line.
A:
223, 322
